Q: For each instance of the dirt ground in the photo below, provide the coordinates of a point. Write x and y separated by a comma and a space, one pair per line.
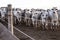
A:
40, 35
36, 34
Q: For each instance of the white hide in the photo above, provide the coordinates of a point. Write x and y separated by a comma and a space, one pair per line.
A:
27, 14
35, 15
44, 16
17, 13
54, 15
3, 12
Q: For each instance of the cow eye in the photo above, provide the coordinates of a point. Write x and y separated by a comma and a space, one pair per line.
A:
35, 13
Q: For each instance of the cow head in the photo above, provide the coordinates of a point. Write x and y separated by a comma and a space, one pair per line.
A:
44, 16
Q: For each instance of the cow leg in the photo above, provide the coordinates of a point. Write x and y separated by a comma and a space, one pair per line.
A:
18, 20
23, 19
43, 26
0, 14
46, 26
29, 22
26, 21
39, 25
52, 27
33, 23
36, 23
57, 26
15, 21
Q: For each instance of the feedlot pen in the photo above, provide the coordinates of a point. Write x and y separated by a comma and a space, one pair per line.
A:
36, 34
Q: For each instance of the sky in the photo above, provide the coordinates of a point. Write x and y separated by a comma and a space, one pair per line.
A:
41, 4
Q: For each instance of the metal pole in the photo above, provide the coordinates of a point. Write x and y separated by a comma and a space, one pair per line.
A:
10, 18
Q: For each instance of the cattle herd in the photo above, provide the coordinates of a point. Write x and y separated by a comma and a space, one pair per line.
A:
37, 18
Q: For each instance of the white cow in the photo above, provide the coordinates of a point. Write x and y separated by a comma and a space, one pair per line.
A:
58, 15
44, 17
28, 16
17, 13
54, 16
35, 16
0, 12
3, 12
